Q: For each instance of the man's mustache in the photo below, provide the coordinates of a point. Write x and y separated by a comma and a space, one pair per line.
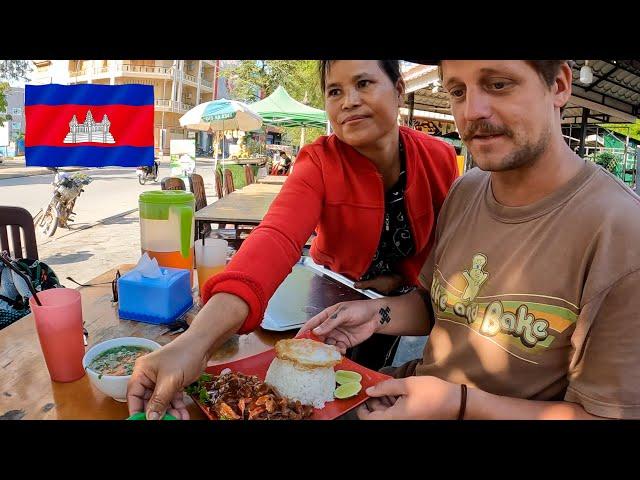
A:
484, 128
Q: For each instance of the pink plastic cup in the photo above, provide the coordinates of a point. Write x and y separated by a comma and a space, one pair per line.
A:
59, 326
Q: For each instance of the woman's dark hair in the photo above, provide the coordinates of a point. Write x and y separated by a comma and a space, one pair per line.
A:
390, 67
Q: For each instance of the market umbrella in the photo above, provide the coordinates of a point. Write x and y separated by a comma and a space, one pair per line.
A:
221, 115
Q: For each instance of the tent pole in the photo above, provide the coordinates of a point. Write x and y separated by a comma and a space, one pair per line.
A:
223, 139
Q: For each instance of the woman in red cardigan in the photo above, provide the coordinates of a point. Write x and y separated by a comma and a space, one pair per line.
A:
372, 190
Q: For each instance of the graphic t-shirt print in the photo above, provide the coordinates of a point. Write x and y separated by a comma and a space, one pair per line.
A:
519, 322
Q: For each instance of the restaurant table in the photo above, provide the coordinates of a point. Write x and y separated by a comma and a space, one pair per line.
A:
261, 160
27, 391
246, 206
273, 179
260, 188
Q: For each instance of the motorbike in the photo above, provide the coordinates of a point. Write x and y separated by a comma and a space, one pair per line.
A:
66, 190
148, 173
204, 152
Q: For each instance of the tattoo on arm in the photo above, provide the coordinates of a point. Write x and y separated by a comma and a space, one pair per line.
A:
384, 315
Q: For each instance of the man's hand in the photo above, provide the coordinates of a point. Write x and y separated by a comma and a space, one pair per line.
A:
412, 398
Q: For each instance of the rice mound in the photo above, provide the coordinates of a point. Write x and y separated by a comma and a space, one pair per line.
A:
310, 386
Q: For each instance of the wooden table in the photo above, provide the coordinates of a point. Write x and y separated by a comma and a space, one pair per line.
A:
246, 206
260, 188
273, 179
26, 390
244, 161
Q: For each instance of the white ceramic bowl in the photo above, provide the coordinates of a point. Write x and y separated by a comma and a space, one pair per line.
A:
114, 386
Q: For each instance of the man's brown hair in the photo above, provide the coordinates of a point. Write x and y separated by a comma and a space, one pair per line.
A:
547, 69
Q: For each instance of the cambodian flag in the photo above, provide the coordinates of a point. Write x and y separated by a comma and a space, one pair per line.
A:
89, 125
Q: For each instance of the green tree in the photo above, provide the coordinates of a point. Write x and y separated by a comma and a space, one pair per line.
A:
4, 86
14, 69
631, 129
252, 80
10, 70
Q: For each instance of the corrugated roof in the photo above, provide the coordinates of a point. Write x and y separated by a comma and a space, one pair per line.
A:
613, 96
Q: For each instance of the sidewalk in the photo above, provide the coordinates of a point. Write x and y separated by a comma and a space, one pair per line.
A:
13, 167
88, 252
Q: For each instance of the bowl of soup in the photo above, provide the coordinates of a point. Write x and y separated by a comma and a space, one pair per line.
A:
109, 364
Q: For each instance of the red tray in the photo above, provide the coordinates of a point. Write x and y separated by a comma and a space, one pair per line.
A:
258, 365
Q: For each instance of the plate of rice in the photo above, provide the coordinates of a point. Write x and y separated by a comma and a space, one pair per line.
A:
302, 371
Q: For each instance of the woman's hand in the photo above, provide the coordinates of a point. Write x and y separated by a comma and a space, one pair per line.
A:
159, 378
346, 324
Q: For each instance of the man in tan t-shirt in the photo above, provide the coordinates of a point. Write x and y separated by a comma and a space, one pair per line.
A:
534, 275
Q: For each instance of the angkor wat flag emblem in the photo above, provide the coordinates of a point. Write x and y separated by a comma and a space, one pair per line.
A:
89, 125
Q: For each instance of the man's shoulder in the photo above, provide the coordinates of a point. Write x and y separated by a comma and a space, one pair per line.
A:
465, 193
613, 203
472, 181
608, 215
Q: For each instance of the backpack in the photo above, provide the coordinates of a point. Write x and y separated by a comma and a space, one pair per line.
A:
14, 292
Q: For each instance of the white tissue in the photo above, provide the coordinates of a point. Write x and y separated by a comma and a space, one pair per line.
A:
148, 267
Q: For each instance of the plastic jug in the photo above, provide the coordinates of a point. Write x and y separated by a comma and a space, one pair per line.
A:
167, 227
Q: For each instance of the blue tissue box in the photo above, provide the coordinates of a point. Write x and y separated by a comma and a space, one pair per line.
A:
155, 300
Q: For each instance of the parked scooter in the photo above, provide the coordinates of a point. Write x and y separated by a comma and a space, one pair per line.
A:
66, 189
202, 152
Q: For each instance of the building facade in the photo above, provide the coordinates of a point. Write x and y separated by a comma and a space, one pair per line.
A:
179, 85
15, 108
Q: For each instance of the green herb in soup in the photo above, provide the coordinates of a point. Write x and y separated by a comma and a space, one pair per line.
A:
118, 360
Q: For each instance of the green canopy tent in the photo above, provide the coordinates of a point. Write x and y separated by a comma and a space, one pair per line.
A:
280, 110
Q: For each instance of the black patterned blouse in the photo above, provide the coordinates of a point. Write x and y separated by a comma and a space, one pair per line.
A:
396, 241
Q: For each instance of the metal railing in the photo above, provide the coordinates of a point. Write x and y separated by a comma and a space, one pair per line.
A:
626, 165
189, 78
147, 69
172, 106
151, 69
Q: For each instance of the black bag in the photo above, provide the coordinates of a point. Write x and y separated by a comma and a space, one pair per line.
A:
15, 293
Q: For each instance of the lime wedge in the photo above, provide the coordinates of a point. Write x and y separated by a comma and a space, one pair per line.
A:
347, 390
347, 376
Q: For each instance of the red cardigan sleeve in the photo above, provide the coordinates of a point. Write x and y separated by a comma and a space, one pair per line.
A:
273, 248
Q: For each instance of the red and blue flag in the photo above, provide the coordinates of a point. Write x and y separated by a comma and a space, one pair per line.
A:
89, 125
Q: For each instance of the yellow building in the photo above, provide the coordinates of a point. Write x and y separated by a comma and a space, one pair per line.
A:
179, 85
